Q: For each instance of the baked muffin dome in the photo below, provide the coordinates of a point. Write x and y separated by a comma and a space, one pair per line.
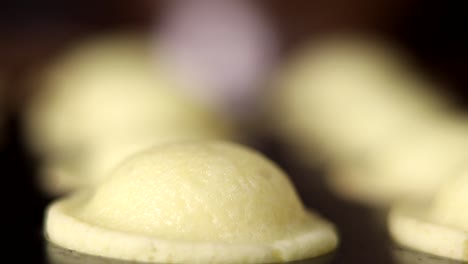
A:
205, 202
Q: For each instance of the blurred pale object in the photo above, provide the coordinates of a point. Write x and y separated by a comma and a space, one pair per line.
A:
229, 47
345, 95
438, 227
449, 206
193, 202
103, 100
412, 166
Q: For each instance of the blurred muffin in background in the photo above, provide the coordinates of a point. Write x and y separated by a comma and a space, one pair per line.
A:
437, 226
414, 166
358, 106
448, 206
344, 95
103, 100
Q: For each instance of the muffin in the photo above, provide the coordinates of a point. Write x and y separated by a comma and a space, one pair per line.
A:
102, 100
192, 202
343, 95
438, 226
414, 166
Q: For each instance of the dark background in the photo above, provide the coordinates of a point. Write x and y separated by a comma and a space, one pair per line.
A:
32, 32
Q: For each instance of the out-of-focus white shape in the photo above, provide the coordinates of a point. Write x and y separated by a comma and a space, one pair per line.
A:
346, 94
204, 202
102, 101
413, 166
229, 47
438, 227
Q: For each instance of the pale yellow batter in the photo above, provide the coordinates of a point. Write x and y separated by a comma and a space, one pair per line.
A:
206, 202
439, 226
105, 99
347, 94
412, 166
